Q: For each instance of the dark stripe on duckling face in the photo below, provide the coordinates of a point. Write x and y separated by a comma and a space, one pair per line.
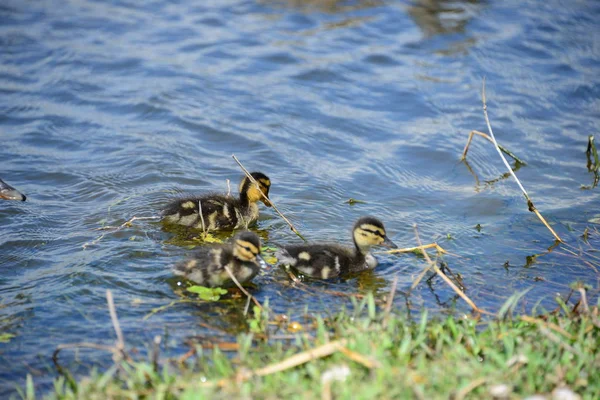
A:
369, 231
245, 251
253, 193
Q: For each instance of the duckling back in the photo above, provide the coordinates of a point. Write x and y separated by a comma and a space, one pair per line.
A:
321, 261
208, 266
218, 212
221, 212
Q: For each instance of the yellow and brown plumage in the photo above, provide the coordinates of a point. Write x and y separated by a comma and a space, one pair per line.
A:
325, 261
221, 212
207, 266
8, 192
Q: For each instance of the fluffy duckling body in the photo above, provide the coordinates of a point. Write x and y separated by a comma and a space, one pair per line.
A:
221, 212
326, 261
8, 192
207, 266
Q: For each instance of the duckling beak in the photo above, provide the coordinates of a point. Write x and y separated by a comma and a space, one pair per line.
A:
11, 193
388, 243
266, 201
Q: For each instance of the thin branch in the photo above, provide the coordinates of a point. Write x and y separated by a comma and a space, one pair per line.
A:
502, 148
81, 345
115, 321
529, 201
302, 358
390, 301
201, 218
228, 188
413, 249
266, 198
116, 229
447, 280
234, 279
359, 358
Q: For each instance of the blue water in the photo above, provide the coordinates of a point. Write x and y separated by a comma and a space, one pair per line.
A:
109, 109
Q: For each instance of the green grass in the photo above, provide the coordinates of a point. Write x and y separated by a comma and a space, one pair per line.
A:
429, 358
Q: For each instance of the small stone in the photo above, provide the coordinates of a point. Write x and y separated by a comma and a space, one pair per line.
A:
564, 393
500, 391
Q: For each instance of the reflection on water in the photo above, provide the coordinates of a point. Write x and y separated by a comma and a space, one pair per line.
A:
439, 17
328, 6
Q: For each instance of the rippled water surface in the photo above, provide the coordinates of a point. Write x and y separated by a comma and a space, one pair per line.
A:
108, 109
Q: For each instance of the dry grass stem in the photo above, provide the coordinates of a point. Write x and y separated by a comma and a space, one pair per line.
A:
292, 227
413, 249
202, 218
81, 345
228, 188
118, 350
547, 325
586, 307
462, 393
302, 358
503, 149
114, 229
447, 280
530, 204
359, 358
115, 320
237, 283
390, 301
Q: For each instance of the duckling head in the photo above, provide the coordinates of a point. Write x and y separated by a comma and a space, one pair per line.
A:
249, 189
369, 232
8, 192
246, 248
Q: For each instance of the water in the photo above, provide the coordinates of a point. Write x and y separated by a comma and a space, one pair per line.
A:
108, 109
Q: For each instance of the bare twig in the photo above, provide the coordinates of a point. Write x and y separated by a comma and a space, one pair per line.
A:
446, 279
115, 321
530, 204
503, 149
156, 352
201, 218
302, 358
586, 307
81, 345
292, 227
548, 325
390, 301
464, 391
359, 358
413, 249
228, 188
116, 229
234, 279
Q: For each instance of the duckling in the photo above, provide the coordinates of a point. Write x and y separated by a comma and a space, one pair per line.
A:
330, 260
221, 212
8, 192
207, 266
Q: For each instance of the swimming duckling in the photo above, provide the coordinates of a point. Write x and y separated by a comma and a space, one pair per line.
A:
221, 212
8, 192
330, 260
207, 266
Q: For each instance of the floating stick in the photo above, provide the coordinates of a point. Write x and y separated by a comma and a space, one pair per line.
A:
266, 198
530, 204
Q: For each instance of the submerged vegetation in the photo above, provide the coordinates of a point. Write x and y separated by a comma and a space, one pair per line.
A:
370, 352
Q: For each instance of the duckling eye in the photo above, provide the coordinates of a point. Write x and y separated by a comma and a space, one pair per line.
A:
248, 249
